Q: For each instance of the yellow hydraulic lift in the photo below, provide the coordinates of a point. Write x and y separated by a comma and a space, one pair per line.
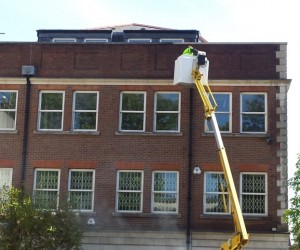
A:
192, 68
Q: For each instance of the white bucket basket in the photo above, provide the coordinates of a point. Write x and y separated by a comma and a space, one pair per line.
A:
184, 66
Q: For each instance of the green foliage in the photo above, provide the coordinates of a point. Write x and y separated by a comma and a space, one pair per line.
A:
292, 215
22, 226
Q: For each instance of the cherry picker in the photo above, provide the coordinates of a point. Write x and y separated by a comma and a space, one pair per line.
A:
192, 68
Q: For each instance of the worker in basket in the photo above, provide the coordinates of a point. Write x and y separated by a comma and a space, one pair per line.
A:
201, 56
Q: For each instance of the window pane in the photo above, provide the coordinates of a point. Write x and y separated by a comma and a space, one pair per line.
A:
8, 100
46, 180
215, 182
51, 120
81, 180
85, 120
129, 201
253, 183
253, 204
167, 102
165, 202
165, 121
130, 180
165, 182
223, 122
45, 199
132, 102
52, 101
7, 119
81, 200
253, 123
223, 102
86, 101
253, 103
132, 121
216, 203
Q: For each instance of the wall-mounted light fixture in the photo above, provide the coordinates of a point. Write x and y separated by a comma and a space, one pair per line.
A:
269, 139
197, 170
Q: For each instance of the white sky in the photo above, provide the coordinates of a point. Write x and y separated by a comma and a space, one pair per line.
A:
217, 20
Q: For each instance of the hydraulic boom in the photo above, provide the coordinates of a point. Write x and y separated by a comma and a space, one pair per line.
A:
192, 67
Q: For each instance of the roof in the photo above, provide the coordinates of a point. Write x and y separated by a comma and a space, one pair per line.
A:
138, 26
132, 26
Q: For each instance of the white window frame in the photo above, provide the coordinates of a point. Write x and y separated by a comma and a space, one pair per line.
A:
95, 40
132, 111
205, 194
206, 128
254, 113
141, 191
82, 190
85, 111
171, 40
64, 40
139, 40
42, 111
11, 110
167, 112
46, 189
5, 178
153, 192
265, 194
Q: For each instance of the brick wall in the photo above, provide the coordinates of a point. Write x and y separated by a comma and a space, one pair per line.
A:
227, 61
108, 151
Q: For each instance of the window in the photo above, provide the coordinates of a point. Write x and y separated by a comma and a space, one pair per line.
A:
95, 40
129, 191
8, 110
216, 199
85, 110
46, 188
171, 40
132, 111
81, 189
5, 178
64, 40
253, 113
139, 40
165, 192
167, 112
223, 112
254, 193
51, 109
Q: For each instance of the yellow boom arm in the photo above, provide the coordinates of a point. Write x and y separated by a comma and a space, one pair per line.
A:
241, 237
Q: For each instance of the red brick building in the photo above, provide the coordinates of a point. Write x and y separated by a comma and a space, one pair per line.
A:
102, 125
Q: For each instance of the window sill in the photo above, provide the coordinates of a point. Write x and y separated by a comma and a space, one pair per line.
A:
226, 134
66, 132
229, 217
144, 215
8, 131
216, 216
149, 133
86, 213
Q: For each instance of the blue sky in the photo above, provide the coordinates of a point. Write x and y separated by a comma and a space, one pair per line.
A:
217, 20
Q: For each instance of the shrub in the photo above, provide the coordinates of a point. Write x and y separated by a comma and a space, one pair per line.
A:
22, 226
